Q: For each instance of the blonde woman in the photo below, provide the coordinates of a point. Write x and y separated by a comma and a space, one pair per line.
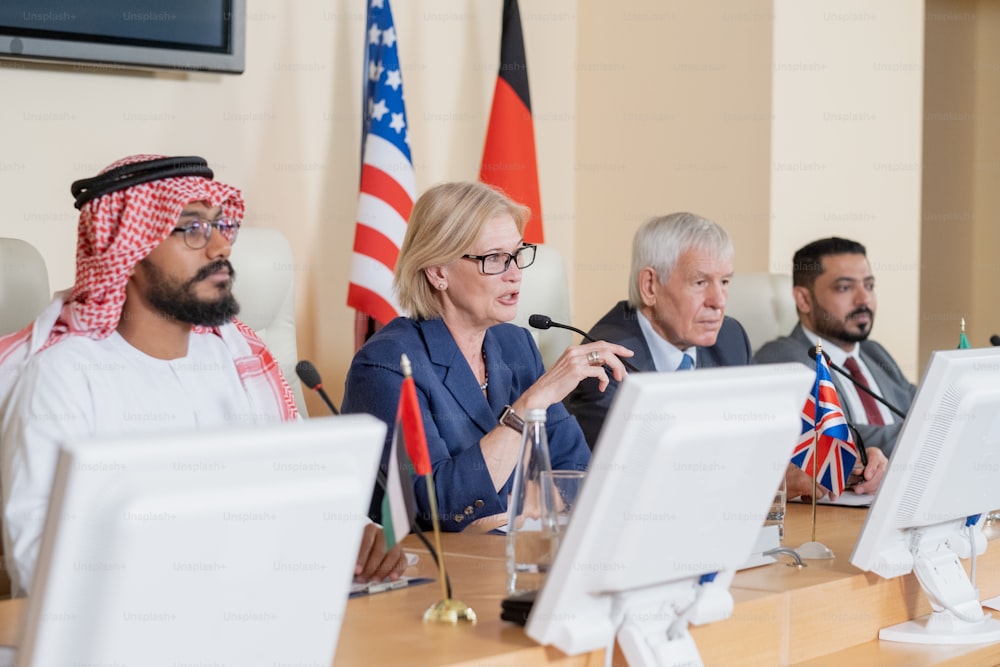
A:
458, 277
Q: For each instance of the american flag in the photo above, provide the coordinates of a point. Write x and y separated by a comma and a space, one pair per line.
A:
834, 449
387, 189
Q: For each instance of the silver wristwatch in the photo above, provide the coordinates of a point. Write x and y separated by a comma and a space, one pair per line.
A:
510, 419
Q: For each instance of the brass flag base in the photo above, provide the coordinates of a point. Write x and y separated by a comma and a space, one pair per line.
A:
815, 551
450, 611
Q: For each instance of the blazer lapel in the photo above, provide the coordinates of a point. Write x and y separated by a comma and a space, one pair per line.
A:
705, 358
887, 387
635, 341
501, 378
457, 377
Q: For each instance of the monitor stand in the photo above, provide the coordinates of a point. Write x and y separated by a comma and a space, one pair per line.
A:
958, 616
653, 630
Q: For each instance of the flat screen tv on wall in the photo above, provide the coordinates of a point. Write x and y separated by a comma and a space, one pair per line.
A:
191, 35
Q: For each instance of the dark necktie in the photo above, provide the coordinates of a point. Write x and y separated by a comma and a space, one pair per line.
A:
871, 406
687, 363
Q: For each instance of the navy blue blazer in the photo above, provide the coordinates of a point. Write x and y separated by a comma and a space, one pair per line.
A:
621, 325
456, 414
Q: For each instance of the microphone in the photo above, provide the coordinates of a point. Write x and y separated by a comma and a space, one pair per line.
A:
860, 442
310, 378
899, 413
995, 340
545, 322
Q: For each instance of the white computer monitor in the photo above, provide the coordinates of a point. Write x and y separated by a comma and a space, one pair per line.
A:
943, 470
682, 476
228, 547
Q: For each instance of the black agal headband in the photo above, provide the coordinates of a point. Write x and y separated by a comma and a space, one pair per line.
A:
128, 175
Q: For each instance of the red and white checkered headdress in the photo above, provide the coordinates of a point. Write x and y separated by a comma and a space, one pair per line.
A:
121, 227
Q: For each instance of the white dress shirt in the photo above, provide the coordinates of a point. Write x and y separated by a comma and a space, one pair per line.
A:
666, 357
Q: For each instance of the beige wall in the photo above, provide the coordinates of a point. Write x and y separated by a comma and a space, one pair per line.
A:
846, 156
673, 115
985, 319
948, 228
960, 195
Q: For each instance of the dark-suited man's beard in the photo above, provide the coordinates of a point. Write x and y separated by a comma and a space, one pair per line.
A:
846, 330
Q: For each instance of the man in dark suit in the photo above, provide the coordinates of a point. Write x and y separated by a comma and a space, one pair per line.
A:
674, 318
834, 292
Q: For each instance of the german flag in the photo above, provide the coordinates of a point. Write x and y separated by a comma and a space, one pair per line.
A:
509, 156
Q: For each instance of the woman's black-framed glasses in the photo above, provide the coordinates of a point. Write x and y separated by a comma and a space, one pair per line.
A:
497, 262
198, 232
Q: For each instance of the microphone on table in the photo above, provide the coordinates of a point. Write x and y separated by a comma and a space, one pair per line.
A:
995, 340
310, 378
899, 413
545, 322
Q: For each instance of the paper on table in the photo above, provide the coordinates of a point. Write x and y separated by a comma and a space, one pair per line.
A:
374, 587
371, 587
846, 499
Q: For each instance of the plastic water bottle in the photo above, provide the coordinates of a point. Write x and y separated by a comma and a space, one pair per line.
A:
532, 531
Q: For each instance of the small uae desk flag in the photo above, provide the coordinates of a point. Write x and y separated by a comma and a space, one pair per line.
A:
411, 423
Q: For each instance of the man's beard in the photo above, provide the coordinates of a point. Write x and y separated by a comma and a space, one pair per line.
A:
836, 330
180, 302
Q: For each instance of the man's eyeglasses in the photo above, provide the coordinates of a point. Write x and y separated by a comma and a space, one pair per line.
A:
198, 232
497, 262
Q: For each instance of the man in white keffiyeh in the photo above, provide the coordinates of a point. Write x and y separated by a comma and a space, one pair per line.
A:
146, 340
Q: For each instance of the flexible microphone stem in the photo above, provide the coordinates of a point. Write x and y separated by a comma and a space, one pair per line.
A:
860, 442
899, 413
311, 379
544, 322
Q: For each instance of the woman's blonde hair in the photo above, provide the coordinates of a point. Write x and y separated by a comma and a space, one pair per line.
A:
445, 221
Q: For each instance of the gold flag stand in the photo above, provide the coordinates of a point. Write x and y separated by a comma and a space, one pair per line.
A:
447, 610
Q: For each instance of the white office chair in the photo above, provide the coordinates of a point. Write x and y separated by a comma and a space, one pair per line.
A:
265, 288
24, 293
545, 290
763, 304
24, 284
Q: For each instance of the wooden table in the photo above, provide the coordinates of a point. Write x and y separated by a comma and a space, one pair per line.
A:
827, 613
830, 612
386, 629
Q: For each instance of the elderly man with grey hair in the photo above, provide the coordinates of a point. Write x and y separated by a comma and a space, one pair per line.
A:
675, 316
